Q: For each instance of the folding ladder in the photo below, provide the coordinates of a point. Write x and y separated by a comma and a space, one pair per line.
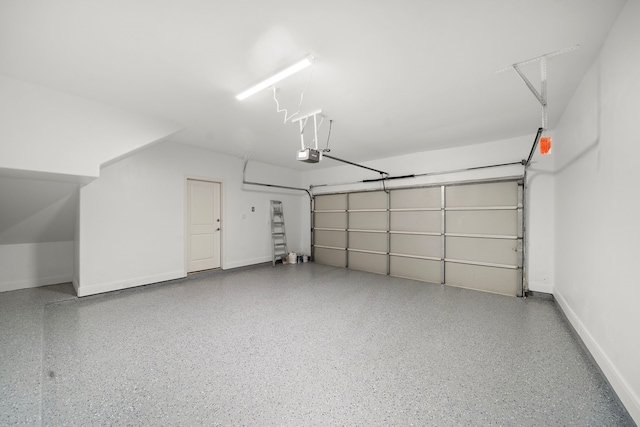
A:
278, 236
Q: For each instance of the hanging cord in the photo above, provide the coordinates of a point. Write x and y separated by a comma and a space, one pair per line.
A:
288, 117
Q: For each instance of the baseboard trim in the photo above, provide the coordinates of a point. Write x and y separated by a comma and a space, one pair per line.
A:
99, 288
621, 387
538, 294
34, 283
76, 285
246, 262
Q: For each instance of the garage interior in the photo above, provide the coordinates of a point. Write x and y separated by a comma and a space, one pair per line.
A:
461, 176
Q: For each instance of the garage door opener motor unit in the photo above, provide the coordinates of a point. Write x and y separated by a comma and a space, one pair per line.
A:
308, 154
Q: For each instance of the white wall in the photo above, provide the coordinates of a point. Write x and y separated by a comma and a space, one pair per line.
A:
35, 211
30, 265
50, 131
51, 142
597, 205
131, 220
539, 187
540, 222
37, 221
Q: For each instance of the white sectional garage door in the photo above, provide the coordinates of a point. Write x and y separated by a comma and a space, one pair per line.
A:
330, 230
467, 235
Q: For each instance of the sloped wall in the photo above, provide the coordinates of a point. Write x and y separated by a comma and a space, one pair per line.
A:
37, 223
50, 143
44, 130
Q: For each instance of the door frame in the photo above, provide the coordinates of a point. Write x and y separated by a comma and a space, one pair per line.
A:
185, 218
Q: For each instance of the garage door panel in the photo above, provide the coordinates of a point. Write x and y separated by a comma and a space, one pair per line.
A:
413, 268
496, 222
335, 257
491, 279
368, 220
368, 241
330, 220
480, 242
415, 198
331, 202
375, 263
489, 194
336, 239
496, 251
418, 245
368, 200
417, 221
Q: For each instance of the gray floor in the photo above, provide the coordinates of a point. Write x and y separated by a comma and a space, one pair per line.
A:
294, 345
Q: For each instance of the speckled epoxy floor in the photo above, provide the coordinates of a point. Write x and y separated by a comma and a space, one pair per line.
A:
21, 351
296, 345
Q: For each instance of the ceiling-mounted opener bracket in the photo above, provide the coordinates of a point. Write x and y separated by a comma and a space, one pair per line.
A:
542, 95
309, 154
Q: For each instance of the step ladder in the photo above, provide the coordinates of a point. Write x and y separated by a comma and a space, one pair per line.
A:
278, 236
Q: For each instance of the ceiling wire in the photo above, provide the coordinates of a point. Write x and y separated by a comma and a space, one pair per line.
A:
288, 117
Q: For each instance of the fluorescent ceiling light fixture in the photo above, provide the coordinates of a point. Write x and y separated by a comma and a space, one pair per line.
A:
270, 81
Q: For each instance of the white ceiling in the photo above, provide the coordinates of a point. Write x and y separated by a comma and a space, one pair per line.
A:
395, 77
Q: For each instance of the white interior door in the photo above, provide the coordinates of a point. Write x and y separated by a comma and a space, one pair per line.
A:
203, 225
